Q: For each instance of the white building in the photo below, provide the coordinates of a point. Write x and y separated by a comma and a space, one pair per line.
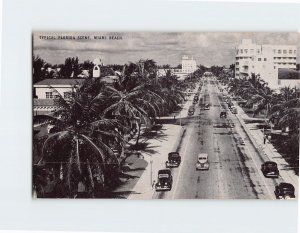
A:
264, 60
46, 91
189, 65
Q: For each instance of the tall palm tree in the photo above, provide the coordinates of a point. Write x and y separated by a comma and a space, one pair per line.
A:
132, 104
286, 112
79, 148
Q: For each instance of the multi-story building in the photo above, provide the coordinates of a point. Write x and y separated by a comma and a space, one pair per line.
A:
189, 65
264, 60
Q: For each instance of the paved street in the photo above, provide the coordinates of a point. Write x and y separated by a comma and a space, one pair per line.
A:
234, 171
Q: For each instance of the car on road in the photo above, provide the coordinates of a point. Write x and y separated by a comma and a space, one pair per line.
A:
195, 101
270, 169
174, 160
202, 162
284, 191
241, 141
223, 114
206, 107
164, 180
233, 110
191, 111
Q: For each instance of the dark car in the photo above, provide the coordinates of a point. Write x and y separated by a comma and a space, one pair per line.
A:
223, 114
196, 97
206, 107
191, 111
174, 160
164, 180
284, 191
270, 169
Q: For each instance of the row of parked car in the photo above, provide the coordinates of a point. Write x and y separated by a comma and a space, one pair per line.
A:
283, 190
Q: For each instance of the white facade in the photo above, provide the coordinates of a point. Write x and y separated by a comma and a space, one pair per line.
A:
264, 60
189, 65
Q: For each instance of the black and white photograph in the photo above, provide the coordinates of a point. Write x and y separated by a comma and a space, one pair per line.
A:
165, 115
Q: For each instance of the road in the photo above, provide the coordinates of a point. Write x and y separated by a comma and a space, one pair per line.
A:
234, 171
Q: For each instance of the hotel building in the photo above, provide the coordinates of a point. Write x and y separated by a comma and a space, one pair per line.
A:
264, 60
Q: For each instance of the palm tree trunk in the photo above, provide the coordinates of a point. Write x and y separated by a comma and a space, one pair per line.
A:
77, 154
92, 185
139, 134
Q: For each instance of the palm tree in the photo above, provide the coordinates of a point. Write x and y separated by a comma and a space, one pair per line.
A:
133, 105
286, 112
79, 148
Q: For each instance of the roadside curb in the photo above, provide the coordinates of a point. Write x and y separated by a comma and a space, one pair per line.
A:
285, 175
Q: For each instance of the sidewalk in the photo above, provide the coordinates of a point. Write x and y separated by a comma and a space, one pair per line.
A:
144, 188
153, 158
267, 150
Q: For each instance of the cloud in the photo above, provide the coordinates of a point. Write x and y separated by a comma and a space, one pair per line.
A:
166, 48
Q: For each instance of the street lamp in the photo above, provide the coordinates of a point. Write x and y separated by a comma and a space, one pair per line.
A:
151, 162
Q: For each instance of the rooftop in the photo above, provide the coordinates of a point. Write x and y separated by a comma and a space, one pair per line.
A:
43, 102
62, 81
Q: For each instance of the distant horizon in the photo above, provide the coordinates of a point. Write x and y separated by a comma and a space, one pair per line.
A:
165, 48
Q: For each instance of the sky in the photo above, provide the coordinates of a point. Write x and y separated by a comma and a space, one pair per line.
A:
206, 48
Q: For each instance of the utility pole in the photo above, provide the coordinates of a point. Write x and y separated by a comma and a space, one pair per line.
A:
151, 162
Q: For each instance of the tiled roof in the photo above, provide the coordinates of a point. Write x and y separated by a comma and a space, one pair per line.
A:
284, 73
61, 81
43, 102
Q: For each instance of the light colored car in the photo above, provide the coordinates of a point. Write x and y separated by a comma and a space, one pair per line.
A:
234, 110
202, 162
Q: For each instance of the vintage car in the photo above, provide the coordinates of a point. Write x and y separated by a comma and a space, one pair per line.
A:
241, 141
270, 169
174, 160
233, 110
164, 180
191, 111
284, 191
206, 107
223, 114
202, 162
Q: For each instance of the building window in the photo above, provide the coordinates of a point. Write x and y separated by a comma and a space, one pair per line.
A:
274, 67
251, 51
49, 95
284, 51
274, 50
290, 51
279, 51
67, 95
265, 59
246, 50
259, 59
241, 51
295, 51
236, 63
258, 50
